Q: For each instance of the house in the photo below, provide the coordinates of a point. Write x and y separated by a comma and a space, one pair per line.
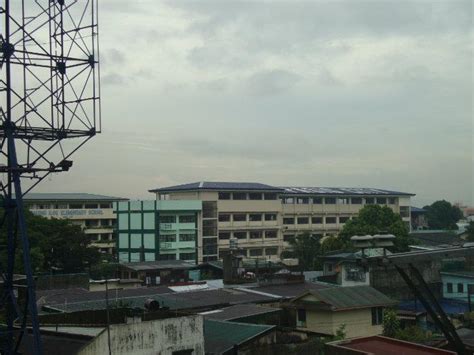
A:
161, 272
436, 239
359, 309
456, 284
379, 345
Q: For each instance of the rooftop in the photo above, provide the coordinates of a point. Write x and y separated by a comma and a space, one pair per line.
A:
208, 185
221, 336
343, 298
286, 290
238, 311
159, 265
437, 237
462, 273
341, 191
379, 345
70, 196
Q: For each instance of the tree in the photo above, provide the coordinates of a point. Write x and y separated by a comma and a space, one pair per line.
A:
442, 215
470, 232
306, 249
373, 219
332, 243
54, 243
391, 324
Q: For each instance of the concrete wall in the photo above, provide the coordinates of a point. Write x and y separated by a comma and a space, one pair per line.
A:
455, 280
151, 338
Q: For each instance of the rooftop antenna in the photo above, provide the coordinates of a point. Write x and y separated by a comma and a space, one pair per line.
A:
49, 107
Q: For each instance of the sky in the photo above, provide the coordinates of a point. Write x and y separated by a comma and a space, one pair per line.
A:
291, 93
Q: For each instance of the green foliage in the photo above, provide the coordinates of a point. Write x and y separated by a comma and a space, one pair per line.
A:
340, 332
373, 219
442, 215
391, 324
104, 270
414, 334
306, 249
470, 232
333, 243
54, 244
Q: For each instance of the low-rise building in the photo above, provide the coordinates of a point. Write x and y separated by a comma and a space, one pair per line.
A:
94, 213
358, 310
456, 284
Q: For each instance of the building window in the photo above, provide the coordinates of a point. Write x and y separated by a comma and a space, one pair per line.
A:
256, 234
209, 246
288, 237
209, 227
303, 220
270, 217
167, 238
270, 234
302, 200
255, 252
224, 195
239, 196
223, 252
330, 200
224, 235
449, 287
167, 219
377, 315
289, 200
460, 288
167, 257
317, 200
72, 206
270, 196
224, 217
209, 258
187, 256
369, 200
301, 321
404, 211
288, 221
343, 220
255, 217
105, 205
209, 209
317, 220
331, 220
381, 200
92, 205
188, 237
356, 200
255, 196
342, 201
271, 251
239, 217
187, 219
240, 235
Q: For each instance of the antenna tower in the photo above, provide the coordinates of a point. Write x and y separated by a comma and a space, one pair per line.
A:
49, 107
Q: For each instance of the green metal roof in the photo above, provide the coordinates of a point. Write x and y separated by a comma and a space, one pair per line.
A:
341, 298
221, 336
70, 196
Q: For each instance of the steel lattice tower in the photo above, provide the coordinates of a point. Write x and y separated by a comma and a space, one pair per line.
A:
50, 106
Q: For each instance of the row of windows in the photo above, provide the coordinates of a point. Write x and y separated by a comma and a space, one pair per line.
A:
171, 238
244, 217
449, 287
181, 219
247, 196
340, 200
315, 220
71, 206
272, 234
252, 252
124, 256
289, 237
181, 256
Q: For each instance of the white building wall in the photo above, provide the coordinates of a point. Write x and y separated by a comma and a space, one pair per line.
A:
161, 336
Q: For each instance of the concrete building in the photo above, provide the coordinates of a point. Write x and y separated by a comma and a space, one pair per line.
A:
177, 335
158, 230
94, 213
358, 308
265, 218
456, 284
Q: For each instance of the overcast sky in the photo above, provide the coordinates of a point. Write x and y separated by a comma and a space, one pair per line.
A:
315, 93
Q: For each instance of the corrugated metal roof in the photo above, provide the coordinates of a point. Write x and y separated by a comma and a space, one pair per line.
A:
238, 311
159, 265
69, 196
210, 185
221, 336
340, 298
290, 190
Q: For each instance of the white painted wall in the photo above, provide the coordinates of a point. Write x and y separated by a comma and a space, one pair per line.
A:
161, 336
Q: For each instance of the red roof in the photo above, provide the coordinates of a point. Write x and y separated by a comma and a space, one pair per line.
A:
379, 345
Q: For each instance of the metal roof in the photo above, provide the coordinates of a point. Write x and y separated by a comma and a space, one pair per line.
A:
69, 196
342, 298
221, 336
286, 290
238, 311
210, 185
290, 190
159, 265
